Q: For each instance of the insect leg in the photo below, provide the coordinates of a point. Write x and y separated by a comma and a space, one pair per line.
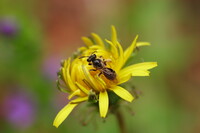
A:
93, 70
100, 74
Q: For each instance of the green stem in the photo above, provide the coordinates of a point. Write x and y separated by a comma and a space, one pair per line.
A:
120, 121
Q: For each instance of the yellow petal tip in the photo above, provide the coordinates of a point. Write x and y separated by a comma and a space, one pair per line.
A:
113, 27
154, 64
136, 37
123, 93
132, 99
63, 114
56, 126
103, 115
83, 37
140, 44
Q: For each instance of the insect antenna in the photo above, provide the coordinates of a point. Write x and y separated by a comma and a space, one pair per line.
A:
94, 52
83, 57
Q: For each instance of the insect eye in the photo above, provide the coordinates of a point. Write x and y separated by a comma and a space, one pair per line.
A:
93, 57
88, 60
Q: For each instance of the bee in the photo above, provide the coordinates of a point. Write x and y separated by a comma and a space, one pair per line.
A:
100, 64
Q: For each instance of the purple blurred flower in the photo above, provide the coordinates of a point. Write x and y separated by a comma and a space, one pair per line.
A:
51, 67
19, 110
8, 27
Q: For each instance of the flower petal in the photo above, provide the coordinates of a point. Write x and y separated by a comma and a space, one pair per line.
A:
68, 76
140, 73
62, 115
89, 79
124, 78
87, 41
82, 88
114, 50
124, 94
130, 49
100, 81
103, 103
117, 45
63, 71
74, 93
113, 34
78, 100
120, 60
139, 44
98, 40
143, 66
139, 69
81, 49
95, 48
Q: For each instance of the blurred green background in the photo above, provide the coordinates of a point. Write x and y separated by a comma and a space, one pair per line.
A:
35, 35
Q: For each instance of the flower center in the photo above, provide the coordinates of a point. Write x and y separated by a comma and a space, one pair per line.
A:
94, 72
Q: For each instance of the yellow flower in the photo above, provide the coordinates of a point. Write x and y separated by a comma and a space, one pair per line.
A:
86, 84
